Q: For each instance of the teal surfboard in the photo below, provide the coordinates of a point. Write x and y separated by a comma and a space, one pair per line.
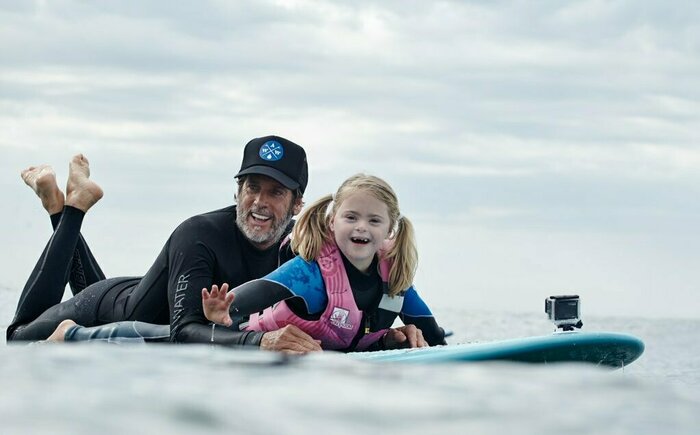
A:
606, 349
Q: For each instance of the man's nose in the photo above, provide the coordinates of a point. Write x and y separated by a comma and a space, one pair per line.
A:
260, 199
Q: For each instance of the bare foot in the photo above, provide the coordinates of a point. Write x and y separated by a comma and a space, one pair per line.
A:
60, 332
42, 179
81, 192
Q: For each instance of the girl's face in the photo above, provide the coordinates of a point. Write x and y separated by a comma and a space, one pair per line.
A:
360, 225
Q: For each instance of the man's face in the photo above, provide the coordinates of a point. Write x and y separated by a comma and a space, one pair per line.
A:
265, 208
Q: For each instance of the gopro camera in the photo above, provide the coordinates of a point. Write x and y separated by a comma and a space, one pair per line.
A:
564, 311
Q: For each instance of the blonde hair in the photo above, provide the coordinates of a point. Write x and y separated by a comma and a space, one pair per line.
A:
312, 229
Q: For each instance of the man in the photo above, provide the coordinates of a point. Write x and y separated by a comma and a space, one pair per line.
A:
232, 245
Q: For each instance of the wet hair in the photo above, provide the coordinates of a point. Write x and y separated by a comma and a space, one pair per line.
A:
312, 229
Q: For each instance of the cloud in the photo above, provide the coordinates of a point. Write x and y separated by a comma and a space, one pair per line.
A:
577, 117
501, 88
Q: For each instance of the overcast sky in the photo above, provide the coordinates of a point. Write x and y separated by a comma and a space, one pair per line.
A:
541, 147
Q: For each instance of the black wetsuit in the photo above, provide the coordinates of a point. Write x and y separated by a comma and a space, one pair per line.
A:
204, 250
258, 294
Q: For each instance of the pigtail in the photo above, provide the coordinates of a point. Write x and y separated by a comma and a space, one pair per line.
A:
404, 256
311, 230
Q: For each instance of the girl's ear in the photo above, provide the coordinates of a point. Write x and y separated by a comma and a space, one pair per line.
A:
331, 223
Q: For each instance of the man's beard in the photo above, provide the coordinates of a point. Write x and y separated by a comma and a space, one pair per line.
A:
277, 228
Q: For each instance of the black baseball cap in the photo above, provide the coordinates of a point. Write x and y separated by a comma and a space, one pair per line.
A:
278, 158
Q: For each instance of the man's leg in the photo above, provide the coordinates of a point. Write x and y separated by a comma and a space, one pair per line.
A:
47, 281
84, 268
82, 308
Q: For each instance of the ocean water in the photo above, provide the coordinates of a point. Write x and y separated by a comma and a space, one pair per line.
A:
115, 389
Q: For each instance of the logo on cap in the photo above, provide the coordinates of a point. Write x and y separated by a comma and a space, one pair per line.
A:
271, 151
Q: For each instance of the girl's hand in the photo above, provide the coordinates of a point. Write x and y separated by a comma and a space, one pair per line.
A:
216, 304
404, 336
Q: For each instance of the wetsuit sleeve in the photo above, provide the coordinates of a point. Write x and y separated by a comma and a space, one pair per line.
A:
295, 278
254, 296
416, 312
191, 266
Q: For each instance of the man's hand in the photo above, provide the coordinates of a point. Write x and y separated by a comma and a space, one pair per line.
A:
217, 303
404, 336
290, 339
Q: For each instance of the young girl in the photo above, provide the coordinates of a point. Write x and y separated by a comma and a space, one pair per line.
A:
350, 281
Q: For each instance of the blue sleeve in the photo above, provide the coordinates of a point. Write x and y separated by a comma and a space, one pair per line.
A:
303, 279
416, 312
413, 305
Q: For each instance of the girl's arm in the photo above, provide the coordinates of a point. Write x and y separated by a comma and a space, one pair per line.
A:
416, 312
295, 278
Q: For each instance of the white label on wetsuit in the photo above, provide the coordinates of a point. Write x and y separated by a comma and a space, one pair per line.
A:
182, 282
391, 304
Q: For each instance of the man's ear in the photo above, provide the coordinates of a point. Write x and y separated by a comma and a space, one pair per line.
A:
298, 205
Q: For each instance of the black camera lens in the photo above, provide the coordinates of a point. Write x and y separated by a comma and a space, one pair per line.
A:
566, 309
